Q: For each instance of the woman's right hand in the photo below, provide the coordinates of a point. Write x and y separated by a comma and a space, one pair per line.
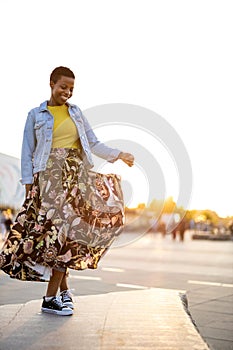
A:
27, 189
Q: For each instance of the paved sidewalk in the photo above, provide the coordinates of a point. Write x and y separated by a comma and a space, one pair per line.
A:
146, 319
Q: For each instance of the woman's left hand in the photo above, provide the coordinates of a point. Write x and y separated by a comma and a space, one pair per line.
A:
128, 158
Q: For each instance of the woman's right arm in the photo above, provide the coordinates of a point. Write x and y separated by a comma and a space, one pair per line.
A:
28, 147
27, 189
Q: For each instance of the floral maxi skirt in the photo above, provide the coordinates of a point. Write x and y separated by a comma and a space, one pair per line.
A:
69, 219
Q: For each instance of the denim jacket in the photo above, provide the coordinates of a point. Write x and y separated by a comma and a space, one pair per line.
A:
37, 141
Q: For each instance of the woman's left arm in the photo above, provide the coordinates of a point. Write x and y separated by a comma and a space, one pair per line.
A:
103, 151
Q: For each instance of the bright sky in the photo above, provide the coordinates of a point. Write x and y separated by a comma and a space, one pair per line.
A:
172, 57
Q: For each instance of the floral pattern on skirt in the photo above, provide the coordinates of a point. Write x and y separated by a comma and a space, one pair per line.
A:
69, 219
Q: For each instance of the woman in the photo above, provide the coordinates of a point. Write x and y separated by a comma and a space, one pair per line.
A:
71, 214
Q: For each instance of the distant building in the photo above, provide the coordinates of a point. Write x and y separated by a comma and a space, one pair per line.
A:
11, 190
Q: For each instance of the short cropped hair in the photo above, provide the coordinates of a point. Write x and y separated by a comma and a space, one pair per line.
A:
61, 71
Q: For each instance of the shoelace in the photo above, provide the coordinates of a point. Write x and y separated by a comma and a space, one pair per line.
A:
66, 296
57, 301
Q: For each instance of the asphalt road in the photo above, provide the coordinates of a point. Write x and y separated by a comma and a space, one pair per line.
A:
204, 269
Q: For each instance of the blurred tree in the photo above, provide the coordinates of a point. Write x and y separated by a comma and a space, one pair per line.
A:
169, 206
141, 206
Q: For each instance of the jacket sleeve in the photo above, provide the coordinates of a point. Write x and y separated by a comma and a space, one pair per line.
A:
28, 147
98, 148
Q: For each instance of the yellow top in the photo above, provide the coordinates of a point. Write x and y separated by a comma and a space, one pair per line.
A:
65, 133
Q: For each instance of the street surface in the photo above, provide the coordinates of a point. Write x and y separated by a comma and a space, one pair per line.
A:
204, 269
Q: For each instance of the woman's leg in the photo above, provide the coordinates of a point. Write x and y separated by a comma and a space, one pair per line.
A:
54, 283
64, 283
51, 303
65, 293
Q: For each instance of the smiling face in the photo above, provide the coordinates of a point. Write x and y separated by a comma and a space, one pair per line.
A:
61, 91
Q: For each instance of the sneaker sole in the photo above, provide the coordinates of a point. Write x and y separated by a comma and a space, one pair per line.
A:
57, 312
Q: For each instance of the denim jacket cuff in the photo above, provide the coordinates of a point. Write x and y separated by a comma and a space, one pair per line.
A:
26, 180
112, 157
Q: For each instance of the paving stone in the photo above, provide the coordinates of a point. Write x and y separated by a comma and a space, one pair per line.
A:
215, 306
219, 344
217, 333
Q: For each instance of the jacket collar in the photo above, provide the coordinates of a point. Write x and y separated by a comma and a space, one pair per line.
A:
43, 106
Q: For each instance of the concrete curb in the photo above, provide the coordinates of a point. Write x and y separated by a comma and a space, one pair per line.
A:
146, 319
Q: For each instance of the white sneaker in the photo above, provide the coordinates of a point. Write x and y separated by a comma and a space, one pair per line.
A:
66, 298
